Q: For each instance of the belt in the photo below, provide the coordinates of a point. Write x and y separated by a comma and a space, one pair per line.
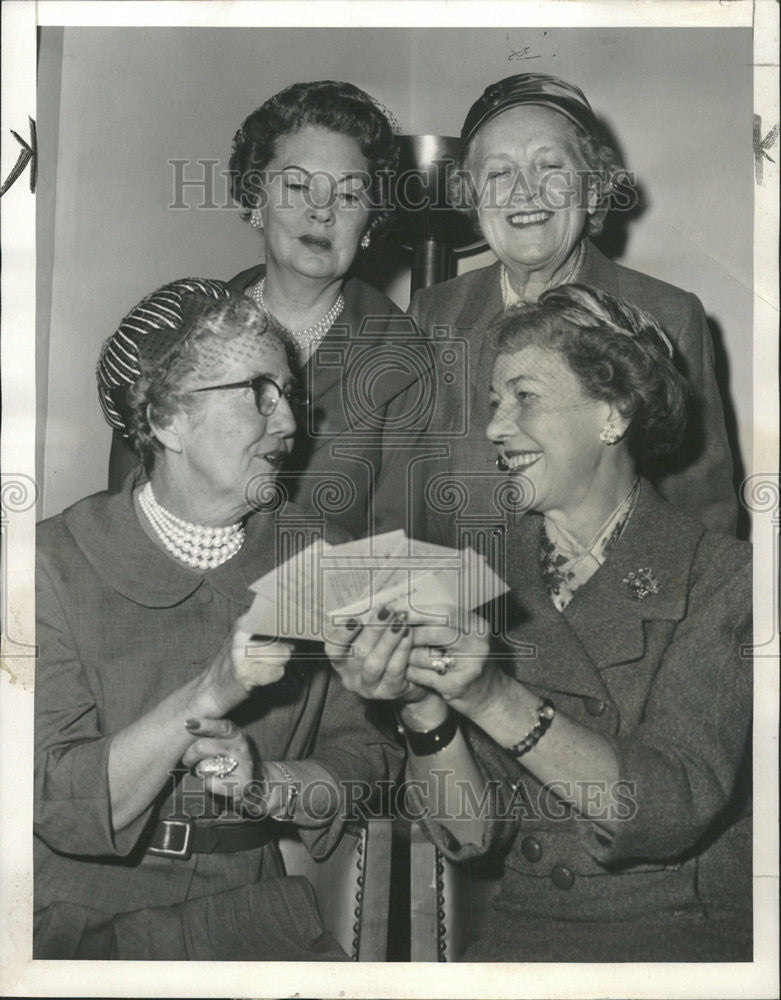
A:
180, 838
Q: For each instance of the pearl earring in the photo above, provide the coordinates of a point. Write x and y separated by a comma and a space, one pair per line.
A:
365, 241
255, 219
610, 433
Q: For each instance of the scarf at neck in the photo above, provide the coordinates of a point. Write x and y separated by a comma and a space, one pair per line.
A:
568, 565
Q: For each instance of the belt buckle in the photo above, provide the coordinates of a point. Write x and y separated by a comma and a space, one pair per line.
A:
175, 832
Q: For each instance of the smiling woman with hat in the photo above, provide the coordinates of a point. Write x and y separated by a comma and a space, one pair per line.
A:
537, 174
166, 740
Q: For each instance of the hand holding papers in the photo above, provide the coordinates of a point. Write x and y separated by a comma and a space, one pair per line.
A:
324, 586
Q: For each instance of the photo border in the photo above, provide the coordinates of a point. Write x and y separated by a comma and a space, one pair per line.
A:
19, 975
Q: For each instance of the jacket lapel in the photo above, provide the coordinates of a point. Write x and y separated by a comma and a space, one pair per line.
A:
345, 356
598, 271
609, 611
471, 454
603, 624
331, 357
555, 660
482, 305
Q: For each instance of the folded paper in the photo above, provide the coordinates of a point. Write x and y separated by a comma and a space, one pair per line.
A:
324, 586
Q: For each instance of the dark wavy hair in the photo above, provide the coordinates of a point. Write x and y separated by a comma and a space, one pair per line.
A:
603, 163
619, 353
328, 104
162, 390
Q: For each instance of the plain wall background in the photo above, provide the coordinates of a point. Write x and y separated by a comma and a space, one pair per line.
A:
115, 105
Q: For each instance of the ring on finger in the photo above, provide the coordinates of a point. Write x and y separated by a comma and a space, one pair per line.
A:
442, 661
219, 766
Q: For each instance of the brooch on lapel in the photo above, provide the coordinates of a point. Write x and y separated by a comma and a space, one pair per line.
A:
642, 583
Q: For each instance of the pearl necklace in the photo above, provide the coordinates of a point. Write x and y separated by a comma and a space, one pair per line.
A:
310, 335
199, 545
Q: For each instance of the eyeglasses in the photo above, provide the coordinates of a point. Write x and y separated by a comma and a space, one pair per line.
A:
267, 393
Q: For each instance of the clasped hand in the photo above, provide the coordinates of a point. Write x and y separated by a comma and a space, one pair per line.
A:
241, 665
392, 658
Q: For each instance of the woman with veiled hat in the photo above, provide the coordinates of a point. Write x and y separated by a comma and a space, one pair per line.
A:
166, 741
536, 175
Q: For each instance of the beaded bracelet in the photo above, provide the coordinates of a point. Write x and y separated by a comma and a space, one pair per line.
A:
433, 740
545, 714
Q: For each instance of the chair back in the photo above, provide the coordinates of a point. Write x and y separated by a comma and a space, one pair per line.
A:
450, 903
352, 885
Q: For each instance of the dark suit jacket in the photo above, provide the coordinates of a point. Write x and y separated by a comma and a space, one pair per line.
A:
667, 679
699, 480
362, 402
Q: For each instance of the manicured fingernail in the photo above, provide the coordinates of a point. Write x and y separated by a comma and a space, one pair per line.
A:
383, 613
192, 724
352, 624
398, 621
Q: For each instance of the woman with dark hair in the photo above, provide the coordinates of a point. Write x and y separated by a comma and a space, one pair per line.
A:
606, 738
537, 176
311, 169
166, 740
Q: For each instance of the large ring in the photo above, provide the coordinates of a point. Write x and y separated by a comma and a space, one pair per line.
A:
216, 767
441, 661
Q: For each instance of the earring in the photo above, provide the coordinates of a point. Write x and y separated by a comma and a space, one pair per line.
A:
255, 219
610, 433
365, 241
502, 464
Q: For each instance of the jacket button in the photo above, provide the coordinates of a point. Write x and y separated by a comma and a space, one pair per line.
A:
562, 877
205, 594
594, 706
531, 849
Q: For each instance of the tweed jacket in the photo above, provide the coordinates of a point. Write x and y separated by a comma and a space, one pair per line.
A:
698, 480
121, 626
666, 678
360, 390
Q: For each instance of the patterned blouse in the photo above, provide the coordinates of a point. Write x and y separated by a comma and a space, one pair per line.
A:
566, 564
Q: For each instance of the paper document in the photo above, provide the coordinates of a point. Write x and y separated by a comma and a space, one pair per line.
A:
324, 585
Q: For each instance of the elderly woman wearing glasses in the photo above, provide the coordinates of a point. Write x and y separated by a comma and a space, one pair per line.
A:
166, 741
537, 174
601, 753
